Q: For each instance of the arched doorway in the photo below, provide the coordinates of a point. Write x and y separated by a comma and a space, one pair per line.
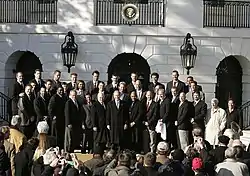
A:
126, 63
27, 64
229, 81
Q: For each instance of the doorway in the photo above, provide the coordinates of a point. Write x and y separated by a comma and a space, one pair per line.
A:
126, 63
229, 82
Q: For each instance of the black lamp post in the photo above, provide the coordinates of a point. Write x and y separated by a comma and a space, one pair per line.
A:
69, 50
188, 52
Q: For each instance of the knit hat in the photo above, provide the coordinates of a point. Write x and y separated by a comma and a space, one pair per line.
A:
15, 120
224, 139
162, 147
43, 127
197, 164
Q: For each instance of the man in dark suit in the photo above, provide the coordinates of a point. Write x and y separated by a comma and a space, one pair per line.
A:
99, 122
92, 86
150, 109
123, 95
131, 86
188, 84
48, 89
56, 82
74, 122
180, 86
41, 105
39, 82
183, 123
56, 114
135, 120
18, 88
164, 109
140, 94
117, 121
154, 83
88, 134
110, 88
73, 83
200, 111
27, 113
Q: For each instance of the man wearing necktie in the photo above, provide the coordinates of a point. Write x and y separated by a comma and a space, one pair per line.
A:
75, 123
117, 121
73, 84
39, 82
18, 88
180, 86
92, 86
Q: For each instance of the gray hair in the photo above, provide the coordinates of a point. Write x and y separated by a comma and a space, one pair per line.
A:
15, 120
230, 152
215, 100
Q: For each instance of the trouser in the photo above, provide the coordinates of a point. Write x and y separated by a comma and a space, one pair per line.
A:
172, 136
183, 139
87, 141
152, 138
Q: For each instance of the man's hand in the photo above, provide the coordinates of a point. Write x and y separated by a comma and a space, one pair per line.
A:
83, 127
192, 120
70, 126
146, 123
125, 126
108, 126
132, 124
21, 94
94, 128
175, 123
54, 118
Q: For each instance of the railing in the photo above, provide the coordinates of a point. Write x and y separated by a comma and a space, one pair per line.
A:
245, 113
28, 11
109, 12
234, 14
5, 107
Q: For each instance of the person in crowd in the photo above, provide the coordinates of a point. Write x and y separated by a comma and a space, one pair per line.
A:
198, 168
41, 105
45, 141
27, 113
131, 86
64, 86
156, 97
233, 115
135, 120
96, 161
230, 166
24, 158
101, 89
56, 81
140, 94
38, 80
148, 168
80, 91
9, 149
215, 122
48, 89
88, 135
150, 118
180, 86
188, 84
117, 121
110, 88
174, 167
191, 153
163, 151
120, 167
218, 154
56, 113
99, 122
200, 111
5, 165
194, 88
18, 89
16, 137
183, 123
73, 83
155, 82
92, 86
74, 122
33, 85
122, 88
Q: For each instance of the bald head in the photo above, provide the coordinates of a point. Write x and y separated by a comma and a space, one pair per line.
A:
116, 95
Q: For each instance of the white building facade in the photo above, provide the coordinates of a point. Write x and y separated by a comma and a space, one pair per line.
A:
98, 45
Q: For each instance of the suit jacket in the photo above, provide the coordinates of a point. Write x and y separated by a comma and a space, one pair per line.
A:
151, 86
56, 107
117, 118
151, 115
185, 113
218, 154
38, 87
17, 89
87, 110
135, 112
55, 86
110, 89
130, 88
180, 87
164, 110
90, 87
200, 114
173, 112
26, 110
124, 98
40, 107
73, 114
143, 95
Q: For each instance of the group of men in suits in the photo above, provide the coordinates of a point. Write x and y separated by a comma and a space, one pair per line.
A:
119, 115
